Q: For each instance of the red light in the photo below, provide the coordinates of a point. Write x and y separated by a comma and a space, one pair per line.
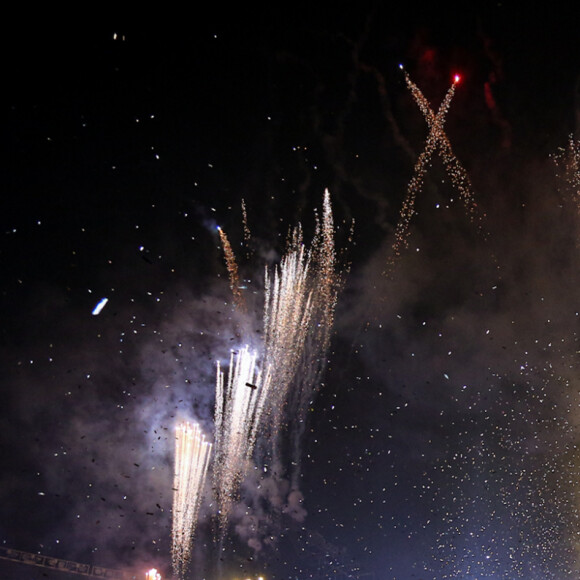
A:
456, 79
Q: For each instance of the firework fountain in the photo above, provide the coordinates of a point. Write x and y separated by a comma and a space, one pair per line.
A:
238, 411
298, 320
300, 298
192, 454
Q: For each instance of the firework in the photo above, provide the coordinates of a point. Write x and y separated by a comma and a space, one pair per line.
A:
568, 171
299, 303
437, 139
192, 453
456, 171
247, 233
152, 575
298, 318
238, 410
568, 162
287, 314
232, 267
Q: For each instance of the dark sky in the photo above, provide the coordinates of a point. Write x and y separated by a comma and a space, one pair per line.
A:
443, 441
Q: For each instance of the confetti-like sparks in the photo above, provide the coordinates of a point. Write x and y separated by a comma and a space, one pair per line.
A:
192, 453
436, 139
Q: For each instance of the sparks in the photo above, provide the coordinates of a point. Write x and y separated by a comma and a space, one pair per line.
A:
238, 411
232, 267
437, 139
192, 453
299, 303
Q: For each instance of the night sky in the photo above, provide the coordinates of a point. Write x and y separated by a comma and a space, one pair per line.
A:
443, 442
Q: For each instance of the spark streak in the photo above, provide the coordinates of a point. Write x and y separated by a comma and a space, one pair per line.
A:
192, 453
232, 267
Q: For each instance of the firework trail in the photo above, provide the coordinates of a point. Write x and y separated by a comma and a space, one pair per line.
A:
456, 171
247, 233
241, 400
192, 453
232, 267
436, 139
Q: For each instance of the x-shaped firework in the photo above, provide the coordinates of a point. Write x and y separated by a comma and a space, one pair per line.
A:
436, 139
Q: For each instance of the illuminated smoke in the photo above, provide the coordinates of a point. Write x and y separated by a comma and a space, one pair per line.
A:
192, 453
437, 139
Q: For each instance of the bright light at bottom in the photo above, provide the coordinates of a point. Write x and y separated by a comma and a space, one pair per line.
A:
152, 575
